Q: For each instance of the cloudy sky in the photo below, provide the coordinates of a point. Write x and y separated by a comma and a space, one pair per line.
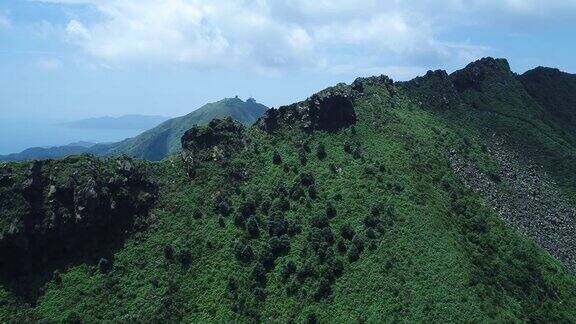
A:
81, 58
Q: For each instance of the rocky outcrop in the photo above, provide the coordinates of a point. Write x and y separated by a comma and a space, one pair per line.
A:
360, 84
55, 211
328, 110
476, 73
217, 142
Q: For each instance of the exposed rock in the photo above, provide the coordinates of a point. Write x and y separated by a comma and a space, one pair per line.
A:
475, 73
329, 110
359, 85
67, 208
34, 180
217, 142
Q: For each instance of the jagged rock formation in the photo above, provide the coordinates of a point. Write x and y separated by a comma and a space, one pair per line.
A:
216, 142
56, 211
477, 74
330, 110
359, 85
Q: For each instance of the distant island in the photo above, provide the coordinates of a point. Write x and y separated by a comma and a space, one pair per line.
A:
140, 122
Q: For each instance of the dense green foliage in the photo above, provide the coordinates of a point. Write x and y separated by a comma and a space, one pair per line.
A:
163, 140
364, 223
554, 91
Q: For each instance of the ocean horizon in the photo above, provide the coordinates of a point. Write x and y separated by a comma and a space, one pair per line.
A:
18, 134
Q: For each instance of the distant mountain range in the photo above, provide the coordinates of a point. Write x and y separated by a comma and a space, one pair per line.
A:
154, 144
44, 153
140, 122
163, 140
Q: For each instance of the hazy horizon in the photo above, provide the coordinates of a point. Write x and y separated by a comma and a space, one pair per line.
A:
18, 134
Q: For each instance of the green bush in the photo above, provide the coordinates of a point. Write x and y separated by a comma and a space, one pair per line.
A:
252, 227
169, 252
276, 158
243, 252
353, 253
321, 151
346, 231
330, 210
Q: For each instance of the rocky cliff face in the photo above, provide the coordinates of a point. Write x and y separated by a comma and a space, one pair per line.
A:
55, 211
329, 110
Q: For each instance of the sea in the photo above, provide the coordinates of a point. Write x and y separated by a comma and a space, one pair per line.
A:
18, 134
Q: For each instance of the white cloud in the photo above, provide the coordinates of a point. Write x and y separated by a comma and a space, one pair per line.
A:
48, 64
5, 22
270, 35
77, 31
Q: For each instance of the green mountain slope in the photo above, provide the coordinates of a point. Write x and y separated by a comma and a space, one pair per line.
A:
163, 140
371, 202
527, 172
555, 91
44, 153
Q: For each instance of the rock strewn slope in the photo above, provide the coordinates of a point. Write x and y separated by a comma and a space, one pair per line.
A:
530, 181
526, 198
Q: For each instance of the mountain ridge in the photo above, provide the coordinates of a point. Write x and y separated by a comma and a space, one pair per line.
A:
163, 140
446, 198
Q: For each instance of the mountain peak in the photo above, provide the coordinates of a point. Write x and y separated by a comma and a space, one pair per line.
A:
435, 89
543, 70
230, 100
475, 73
165, 139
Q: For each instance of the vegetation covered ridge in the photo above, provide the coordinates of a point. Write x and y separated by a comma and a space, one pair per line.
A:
348, 206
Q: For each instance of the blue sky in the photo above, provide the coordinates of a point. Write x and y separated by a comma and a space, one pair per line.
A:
70, 59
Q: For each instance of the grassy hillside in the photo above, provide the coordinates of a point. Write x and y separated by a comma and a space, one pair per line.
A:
163, 140
347, 207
